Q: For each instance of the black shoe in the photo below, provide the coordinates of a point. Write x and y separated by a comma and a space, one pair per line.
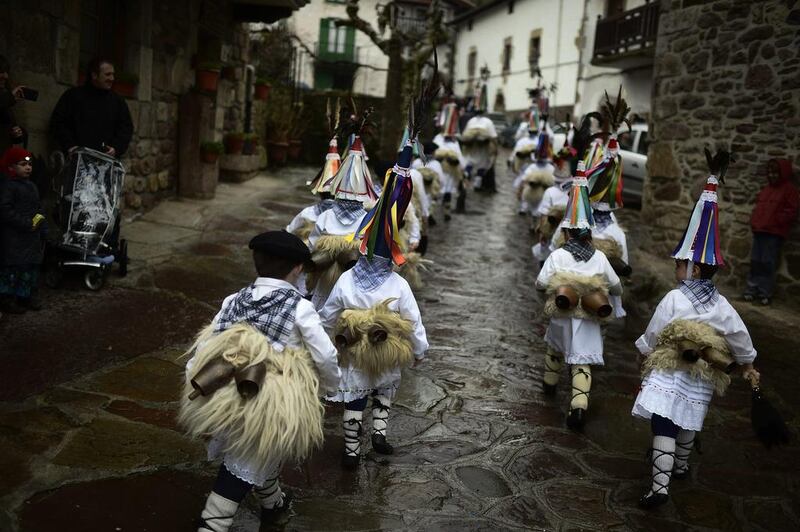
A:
681, 475
748, 298
273, 514
765, 301
350, 462
380, 445
30, 303
431, 221
653, 500
575, 419
447, 217
549, 389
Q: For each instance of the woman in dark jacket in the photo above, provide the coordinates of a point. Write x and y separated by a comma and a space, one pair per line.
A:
22, 231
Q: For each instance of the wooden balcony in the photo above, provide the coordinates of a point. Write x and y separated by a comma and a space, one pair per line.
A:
627, 39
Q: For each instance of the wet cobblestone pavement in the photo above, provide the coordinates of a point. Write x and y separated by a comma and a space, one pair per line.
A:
88, 440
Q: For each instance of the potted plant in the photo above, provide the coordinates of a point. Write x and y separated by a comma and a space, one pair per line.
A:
125, 84
207, 76
229, 73
210, 151
261, 89
278, 145
234, 142
250, 143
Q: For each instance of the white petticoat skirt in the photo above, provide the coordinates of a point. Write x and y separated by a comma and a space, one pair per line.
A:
579, 340
675, 395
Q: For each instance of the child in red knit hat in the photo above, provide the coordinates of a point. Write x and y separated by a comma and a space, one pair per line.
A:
22, 232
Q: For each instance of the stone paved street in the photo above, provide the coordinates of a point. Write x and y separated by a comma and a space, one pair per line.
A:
88, 440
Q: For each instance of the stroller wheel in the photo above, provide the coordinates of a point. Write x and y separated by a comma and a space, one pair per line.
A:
53, 276
123, 258
94, 279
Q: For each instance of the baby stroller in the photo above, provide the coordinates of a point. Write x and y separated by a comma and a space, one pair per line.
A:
88, 189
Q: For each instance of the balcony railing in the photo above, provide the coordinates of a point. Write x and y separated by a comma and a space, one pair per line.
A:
629, 33
410, 25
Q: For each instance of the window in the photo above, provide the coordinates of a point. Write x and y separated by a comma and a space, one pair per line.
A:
625, 140
507, 49
535, 50
511, 7
469, 25
103, 32
337, 41
644, 143
472, 60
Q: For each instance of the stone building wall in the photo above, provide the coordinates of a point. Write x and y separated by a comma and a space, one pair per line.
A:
727, 72
163, 41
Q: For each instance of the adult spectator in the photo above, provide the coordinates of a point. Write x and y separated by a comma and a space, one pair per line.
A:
772, 219
10, 131
93, 116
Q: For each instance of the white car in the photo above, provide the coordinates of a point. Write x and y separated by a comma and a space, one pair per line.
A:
633, 149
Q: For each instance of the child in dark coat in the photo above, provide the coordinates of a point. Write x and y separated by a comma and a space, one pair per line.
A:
22, 232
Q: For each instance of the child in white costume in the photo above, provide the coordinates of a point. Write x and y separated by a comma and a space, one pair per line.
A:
574, 335
370, 285
351, 186
675, 397
275, 309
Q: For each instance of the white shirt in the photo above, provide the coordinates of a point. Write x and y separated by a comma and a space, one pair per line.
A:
677, 395
329, 224
307, 332
419, 189
579, 340
355, 384
553, 197
308, 214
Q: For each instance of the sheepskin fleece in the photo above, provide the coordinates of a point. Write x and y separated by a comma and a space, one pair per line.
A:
454, 170
433, 184
521, 162
582, 284
667, 356
282, 422
610, 247
376, 359
546, 229
326, 252
305, 231
539, 176
412, 270
476, 134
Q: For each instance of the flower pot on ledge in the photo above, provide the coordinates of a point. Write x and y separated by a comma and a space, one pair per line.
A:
277, 151
295, 146
209, 157
261, 91
126, 89
234, 145
207, 80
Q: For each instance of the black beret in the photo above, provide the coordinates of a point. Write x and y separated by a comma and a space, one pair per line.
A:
281, 244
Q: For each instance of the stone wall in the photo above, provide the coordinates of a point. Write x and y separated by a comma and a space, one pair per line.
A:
727, 73
163, 42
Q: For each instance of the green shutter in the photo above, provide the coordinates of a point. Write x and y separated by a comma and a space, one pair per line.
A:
350, 43
323, 36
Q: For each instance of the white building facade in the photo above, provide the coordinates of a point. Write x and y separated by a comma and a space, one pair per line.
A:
513, 38
313, 25
605, 65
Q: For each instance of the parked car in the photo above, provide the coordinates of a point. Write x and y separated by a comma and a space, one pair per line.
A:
508, 136
633, 149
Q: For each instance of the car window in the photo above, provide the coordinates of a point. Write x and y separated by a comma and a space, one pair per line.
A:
644, 142
625, 141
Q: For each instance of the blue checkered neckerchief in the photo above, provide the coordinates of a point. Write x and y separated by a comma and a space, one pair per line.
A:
369, 275
701, 293
323, 206
348, 211
602, 219
273, 314
580, 249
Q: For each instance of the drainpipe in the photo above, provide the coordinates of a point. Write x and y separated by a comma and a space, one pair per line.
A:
558, 44
582, 40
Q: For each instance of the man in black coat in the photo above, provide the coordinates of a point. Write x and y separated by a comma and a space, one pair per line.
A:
93, 116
